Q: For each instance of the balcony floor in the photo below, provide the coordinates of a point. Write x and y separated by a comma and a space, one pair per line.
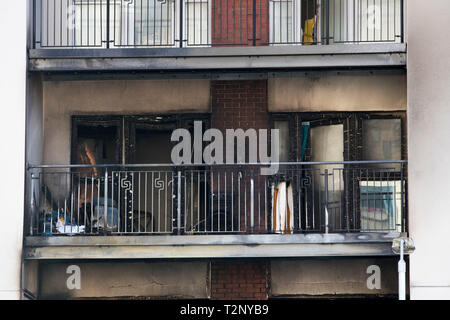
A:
209, 246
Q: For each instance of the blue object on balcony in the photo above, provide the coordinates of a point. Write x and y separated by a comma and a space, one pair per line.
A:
111, 221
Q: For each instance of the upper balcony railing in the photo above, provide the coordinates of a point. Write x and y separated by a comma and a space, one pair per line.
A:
75, 24
306, 197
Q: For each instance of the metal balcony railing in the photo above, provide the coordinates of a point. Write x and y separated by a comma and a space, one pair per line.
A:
202, 23
304, 197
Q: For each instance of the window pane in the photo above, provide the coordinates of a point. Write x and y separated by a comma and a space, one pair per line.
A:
197, 19
380, 204
283, 126
382, 139
282, 21
153, 22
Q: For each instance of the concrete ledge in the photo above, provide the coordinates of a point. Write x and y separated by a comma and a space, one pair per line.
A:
214, 246
342, 55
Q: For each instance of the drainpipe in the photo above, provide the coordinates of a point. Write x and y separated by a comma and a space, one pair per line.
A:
402, 246
402, 273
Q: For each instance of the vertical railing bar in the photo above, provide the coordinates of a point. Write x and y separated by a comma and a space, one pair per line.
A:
78, 199
239, 200
225, 192
198, 200
245, 202
186, 212
326, 202
105, 218
212, 201
232, 201
33, 204
112, 197
299, 192
205, 227
146, 196
119, 187
139, 192
132, 202
313, 218
218, 201
259, 207
179, 203
98, 205
165, 202
153, 203
265, 205
192, 200
172, 179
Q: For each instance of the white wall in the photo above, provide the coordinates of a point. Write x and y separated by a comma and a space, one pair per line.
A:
428, 144
13, 33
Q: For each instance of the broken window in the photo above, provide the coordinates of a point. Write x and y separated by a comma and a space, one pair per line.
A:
284, 142
381, 139
380, 196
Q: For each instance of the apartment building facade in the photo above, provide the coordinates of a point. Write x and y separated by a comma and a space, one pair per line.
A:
108, 214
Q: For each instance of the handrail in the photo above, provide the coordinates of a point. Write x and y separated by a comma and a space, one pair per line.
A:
173, 165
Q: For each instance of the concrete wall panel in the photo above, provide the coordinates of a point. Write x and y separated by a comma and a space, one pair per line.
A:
64, 99
316, 92
344, 276
175, 279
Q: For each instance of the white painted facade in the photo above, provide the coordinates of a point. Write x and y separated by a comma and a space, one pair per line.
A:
428, 107
428, 147
13, 17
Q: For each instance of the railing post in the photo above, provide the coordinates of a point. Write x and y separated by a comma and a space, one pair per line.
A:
108, 22
105, 217
179, 203
33, 32
402, 21
252, 202
254, 24
326, 200
181, 21
327, 22
32, 205
402, 195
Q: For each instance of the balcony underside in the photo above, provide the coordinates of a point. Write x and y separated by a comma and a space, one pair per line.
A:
219, 58
210, 246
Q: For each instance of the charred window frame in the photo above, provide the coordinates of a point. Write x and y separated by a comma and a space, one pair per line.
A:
353, 151
126, 129
96, 122
353, 130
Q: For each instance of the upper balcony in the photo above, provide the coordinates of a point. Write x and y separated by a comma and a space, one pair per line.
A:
93, 35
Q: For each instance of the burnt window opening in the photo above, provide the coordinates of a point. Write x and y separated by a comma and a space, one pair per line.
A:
365, 135
370, 192
98, 140
138, 199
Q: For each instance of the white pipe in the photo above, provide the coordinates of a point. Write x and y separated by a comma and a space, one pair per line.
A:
402, 273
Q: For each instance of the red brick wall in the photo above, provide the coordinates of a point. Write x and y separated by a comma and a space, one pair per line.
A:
242, 280
239, 104
232, 22
242, 105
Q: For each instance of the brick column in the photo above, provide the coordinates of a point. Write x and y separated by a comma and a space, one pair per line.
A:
240, 104
233, 21
239, 280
